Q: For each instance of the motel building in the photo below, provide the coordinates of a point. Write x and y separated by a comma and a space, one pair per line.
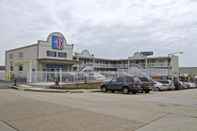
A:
56, 54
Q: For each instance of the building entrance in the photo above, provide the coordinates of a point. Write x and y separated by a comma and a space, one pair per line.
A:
55, 67
54, 71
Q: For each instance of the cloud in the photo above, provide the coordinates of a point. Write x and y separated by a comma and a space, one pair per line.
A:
108, 28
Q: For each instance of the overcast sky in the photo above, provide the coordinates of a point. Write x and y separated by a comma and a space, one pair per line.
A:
108, 28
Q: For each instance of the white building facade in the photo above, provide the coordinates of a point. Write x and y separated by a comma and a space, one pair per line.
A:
156, 67
56, 54
51, 55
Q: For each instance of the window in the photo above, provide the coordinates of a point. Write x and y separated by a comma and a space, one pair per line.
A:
129, 79
20, 67
20, 54
62, 54
11, 68
120, 79
164, 82
51, 53
11, 56
153, 60
144, 79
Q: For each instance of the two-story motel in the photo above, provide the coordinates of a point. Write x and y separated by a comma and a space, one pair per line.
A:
56, 54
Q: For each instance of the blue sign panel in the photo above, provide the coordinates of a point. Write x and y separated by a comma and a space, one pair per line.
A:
57, 42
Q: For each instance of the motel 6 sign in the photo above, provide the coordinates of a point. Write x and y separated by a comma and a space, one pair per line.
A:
57, 41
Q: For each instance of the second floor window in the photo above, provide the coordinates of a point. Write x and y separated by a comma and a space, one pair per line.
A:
51, 53
62, 54
11, 68
20, 67
11, 56
20, 54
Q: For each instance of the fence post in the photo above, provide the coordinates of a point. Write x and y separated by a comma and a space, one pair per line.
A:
30, 72
46, 76
60, 72
14, 81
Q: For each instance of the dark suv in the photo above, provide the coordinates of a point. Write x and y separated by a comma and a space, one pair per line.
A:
147, 84
126, 84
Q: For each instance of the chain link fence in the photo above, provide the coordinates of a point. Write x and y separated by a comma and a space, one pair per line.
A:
86, 75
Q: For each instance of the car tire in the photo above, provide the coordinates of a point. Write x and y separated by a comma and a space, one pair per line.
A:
125, 90
134, 91
146, 91
158, 89
103, 88
112, 91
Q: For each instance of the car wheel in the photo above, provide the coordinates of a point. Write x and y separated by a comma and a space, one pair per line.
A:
125, 90
103, 89
146, 91
112, 91
134, 91
158, 89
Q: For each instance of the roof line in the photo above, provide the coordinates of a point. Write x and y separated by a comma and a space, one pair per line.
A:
22, 47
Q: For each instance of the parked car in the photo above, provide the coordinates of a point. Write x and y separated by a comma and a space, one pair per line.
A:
147, 83
182, 85
168, 84
126, 84
158, 86
163, 85
190, 84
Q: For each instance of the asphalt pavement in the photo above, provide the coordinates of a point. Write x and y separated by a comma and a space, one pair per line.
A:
157, 111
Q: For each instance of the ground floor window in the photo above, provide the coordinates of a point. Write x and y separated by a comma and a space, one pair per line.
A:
20, 67
11, 68
55, 67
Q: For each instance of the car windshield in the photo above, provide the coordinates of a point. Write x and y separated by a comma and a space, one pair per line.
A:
144, 79
129, 79
120, 79
164, 82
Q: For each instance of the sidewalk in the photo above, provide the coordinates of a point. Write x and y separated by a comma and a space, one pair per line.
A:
44, 89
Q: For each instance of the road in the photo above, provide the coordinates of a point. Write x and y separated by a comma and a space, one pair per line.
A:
157, 111
5, 84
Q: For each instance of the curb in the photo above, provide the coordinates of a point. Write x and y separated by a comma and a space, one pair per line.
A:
47, 91
15, 87
51, 90
76, 91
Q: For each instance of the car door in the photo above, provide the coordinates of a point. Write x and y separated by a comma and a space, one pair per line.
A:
116, 84
112, 83
119, 83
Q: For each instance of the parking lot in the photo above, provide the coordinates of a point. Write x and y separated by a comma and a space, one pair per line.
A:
159, 111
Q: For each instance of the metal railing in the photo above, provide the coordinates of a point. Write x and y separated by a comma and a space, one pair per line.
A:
66, 77
2, 75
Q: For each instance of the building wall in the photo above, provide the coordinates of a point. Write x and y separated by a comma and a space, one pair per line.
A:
45, 46
34, 57
100, 64
174, 64
188, 70
23, 61
2, 68
153, 66
25, 57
